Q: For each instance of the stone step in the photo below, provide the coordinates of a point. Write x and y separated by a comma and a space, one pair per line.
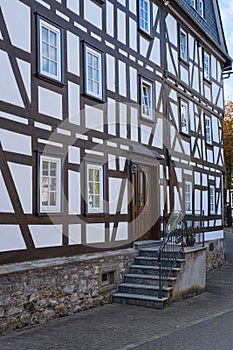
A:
144, 289
147, 279
140, 300
153, 252
151, 270
153, 261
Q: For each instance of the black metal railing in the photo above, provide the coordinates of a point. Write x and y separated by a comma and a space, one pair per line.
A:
179, 229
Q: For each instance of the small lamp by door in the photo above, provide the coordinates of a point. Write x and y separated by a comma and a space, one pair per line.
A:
133, 168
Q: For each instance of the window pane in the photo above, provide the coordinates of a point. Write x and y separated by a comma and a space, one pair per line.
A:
45, 198
97, 202
97, 188
45, 50
95, 61
96, 175
89, 59
45, 34
91, 188
45, 65
53, 168
45, 168
53, 184
45, 183
53, 198
96, 88
53, 38
53, 68
90, 71
53, 54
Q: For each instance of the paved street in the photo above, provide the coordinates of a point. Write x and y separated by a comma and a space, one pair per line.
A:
204, 322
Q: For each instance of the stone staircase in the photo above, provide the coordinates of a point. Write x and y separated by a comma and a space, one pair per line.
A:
141, 283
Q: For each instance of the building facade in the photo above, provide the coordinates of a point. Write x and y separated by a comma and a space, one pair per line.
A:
110, 114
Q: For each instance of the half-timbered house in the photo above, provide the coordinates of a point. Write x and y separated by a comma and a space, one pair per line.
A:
110, 115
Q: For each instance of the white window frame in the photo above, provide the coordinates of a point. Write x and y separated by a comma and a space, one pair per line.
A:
146, 99
194, 4
90, 208
208, 130
50, 208
188, 188
144, 16
183, 45
212, 199
184, 117
206, 65
58, 32
201, 8
99, 55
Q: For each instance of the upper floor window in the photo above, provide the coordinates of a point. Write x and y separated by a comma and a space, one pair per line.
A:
183, 45
94, 188
49, 50
188, 196
93, 72
184, 116
208, 129
144, 15
201, 8
212, 201
50, 184
146, 99
206, 64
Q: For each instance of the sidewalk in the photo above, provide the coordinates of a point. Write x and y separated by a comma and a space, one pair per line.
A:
188, 324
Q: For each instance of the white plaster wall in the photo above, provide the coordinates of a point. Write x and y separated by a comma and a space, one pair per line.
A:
16, 143
5, 202
197, 197
122, 231
18, 31
195, 79
74, 103
145, 134
49, 103
205, 202
158, 134
209, 236
172, 29
13, 117
111, 111
210, 156
144, 44
109, 18
133, 84
11, 238
111, 162
25, 70
133, 7
114, 192
110, 65
207, 92
95, 233
132, 34
93, 13
121, 26
184, 74
134, 124
75, 234
46, 235
94, 118
122, 78
73, 155
74, 192
8, 92
22, 176
155, 52
73, 5
73, 53
123, 120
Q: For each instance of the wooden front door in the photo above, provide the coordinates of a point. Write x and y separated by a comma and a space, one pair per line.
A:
145, 203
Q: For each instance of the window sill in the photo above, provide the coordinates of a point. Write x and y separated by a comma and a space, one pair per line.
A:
94, 98
145, 34
50, 80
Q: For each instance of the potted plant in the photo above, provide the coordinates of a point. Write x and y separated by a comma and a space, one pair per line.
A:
190, 237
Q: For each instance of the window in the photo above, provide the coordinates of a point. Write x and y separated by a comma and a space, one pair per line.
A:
49, 50
188, 196
208, 130
50, 184
193, 4
146, 99
184, 117
144, 14
201, 8
183, 45
94, 188
206, 65
212, 203
93, 72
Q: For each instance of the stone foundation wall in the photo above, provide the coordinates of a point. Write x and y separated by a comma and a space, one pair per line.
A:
215, 254
34, 292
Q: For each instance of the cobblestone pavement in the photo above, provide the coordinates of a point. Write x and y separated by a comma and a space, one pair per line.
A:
204, 322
